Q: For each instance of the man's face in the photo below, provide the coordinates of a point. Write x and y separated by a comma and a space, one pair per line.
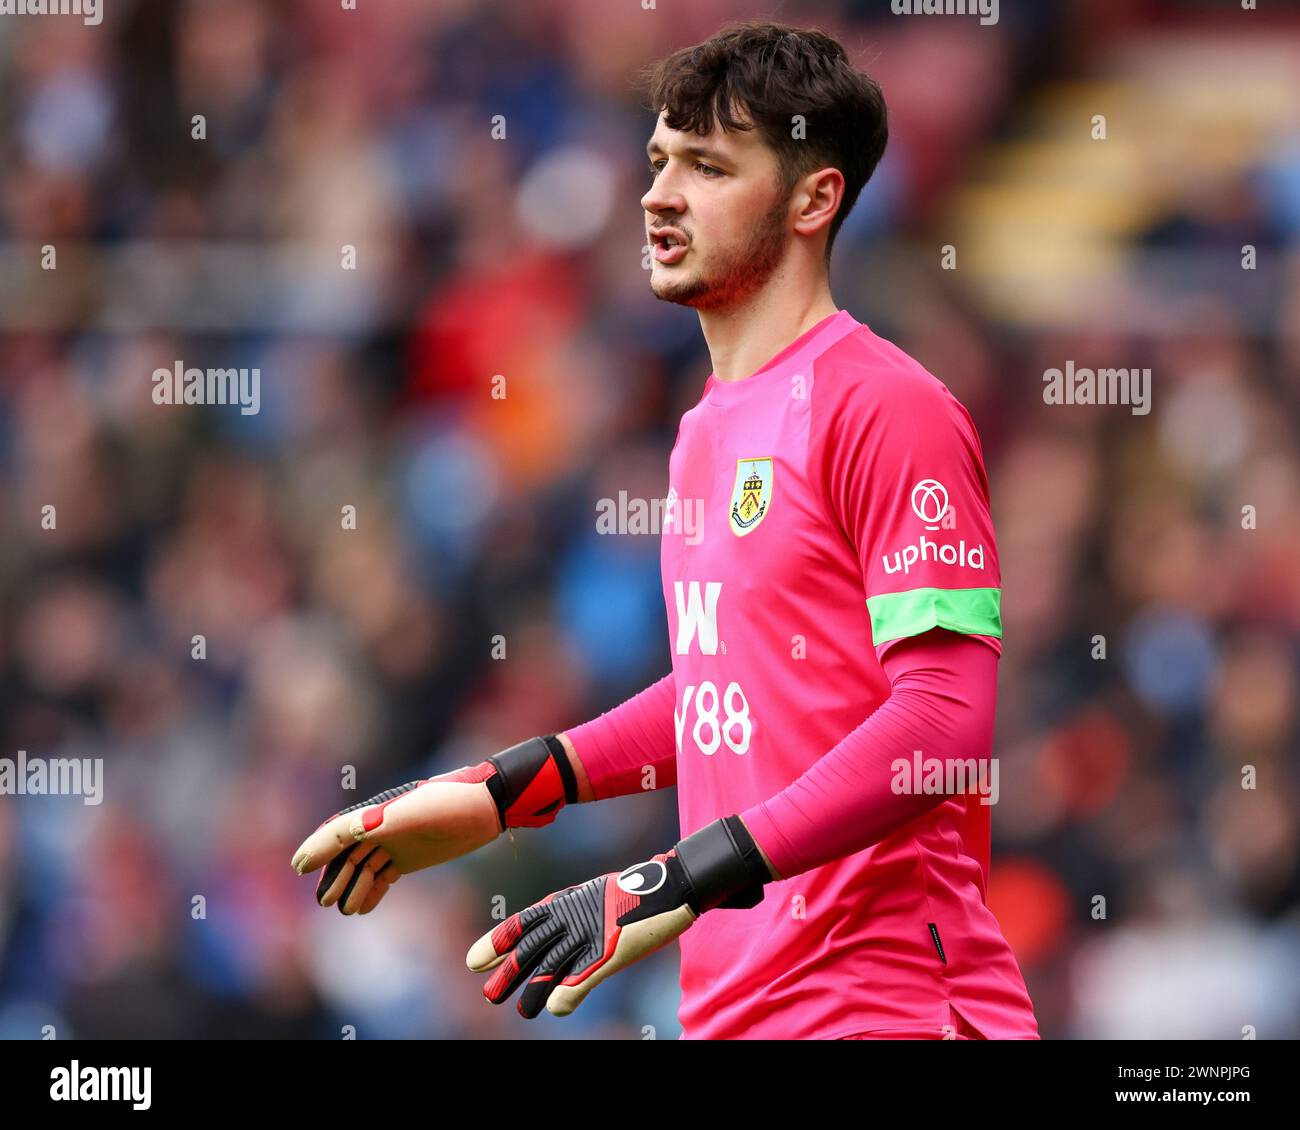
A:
720, 193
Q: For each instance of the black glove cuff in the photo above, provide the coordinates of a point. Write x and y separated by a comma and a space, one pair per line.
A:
724, 867
518, 766
567, 775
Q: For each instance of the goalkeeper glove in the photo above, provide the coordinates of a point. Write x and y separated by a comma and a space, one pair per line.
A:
565, 945
365, 848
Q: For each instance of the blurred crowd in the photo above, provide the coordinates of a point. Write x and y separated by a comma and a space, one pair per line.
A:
1151, 564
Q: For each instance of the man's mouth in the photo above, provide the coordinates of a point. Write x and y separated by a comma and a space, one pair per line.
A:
669, 245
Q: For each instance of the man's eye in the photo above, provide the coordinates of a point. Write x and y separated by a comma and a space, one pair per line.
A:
655, 168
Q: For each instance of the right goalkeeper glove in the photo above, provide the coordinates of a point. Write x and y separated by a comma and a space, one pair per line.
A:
365, 848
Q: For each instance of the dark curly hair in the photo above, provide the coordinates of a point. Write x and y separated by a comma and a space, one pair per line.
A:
760, 75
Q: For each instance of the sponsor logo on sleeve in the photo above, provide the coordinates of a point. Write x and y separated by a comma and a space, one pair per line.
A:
930, 503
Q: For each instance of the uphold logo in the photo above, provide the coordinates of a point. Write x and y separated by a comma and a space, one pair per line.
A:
930, 504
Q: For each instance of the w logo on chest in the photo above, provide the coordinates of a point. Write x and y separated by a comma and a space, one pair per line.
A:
697, 616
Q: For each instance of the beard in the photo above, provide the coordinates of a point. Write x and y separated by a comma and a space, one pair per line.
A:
735, 273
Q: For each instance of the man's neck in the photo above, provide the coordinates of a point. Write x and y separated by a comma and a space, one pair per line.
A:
743, 339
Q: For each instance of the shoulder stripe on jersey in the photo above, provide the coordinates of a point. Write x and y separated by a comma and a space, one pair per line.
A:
973, 612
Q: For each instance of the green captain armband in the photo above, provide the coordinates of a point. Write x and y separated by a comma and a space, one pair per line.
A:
973, 612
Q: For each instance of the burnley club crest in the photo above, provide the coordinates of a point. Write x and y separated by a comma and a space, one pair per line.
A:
752, 494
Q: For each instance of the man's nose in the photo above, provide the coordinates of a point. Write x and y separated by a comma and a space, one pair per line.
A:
663, 196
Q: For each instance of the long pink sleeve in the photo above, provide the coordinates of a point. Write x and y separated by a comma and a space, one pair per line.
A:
616, 748
942, 703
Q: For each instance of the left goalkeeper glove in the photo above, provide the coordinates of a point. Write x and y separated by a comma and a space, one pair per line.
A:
565, 945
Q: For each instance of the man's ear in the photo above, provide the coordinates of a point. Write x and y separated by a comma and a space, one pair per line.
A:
822, 193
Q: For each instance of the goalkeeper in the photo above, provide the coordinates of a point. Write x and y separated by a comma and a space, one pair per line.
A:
835, 629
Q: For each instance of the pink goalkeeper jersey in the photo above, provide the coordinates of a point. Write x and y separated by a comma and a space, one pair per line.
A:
827, 505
